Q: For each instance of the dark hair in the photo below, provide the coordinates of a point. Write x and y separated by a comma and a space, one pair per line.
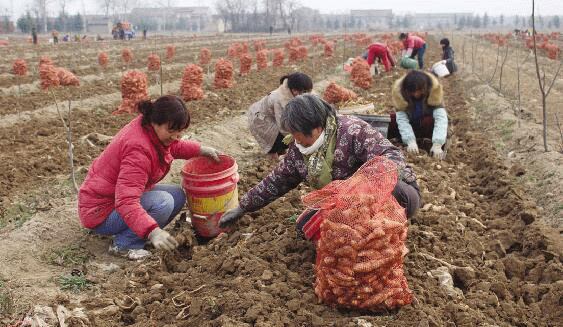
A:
445, 42
298, 81
416, 80
403, 36
306, 112
168, 109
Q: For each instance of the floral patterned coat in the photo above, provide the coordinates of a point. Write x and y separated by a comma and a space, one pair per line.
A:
356, 143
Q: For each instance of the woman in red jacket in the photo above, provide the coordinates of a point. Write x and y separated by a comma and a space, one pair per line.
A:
381, 52
120, 195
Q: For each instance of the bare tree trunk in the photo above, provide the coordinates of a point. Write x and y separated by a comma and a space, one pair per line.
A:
496, 64
502, 68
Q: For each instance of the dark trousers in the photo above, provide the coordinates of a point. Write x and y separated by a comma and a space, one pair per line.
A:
425, 129
408, 197
279, 147
420, 55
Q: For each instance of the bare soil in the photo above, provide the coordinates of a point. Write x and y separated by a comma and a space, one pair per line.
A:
478, 220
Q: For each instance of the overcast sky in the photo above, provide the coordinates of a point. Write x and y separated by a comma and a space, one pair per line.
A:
492, 7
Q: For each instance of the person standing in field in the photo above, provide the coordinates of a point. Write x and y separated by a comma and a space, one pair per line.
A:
418, 99
121, 195
264, 116
381, 52
413, 46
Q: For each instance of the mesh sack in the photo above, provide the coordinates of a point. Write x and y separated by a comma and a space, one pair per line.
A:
362, 240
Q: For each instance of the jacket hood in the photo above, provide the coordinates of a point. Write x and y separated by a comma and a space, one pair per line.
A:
284, 93
434, 99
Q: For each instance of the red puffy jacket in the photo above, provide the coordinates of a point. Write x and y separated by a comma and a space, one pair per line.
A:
132, 163
378, 50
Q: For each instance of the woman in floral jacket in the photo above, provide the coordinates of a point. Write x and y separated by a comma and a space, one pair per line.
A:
327, 147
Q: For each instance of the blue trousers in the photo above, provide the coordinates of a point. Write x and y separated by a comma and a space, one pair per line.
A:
162, 203
419, 55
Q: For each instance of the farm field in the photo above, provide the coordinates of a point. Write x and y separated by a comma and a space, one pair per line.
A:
494, 228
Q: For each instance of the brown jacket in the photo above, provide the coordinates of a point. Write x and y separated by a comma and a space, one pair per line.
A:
435, 98
264, 116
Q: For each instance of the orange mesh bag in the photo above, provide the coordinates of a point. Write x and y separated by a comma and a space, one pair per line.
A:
127, 55
335, 93
278, 58
223, 74
67, 78
48, 76
244, 48
19, 67
293, 54
204, 56
303, 52
45, 61
245, 64
262, 59
360, 73
103, 59
170, 51
192, 81
133, 91
329, 49
361, 242
154, 62
259, 45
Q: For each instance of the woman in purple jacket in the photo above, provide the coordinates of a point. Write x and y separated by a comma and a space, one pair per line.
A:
327, 147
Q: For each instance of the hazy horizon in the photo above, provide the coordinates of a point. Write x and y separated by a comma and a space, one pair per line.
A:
399, 7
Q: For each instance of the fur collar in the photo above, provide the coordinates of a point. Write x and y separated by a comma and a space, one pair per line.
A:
435, 99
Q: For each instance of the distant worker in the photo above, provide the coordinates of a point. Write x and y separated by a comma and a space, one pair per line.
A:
34, 35
413, 46
264, 116
448, 55
381, 52
271, 30
418, 99
55, 35
144, 33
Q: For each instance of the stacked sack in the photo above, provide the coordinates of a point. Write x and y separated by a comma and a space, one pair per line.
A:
278, 58
170, 51
329, 49
133, 91
45, 61
259, 45
262, 59
154, 62
335, 93
67, 78
204, 56
19, 67
192, 82
127, 56
361, 248
360, 73
223, 74
103, 59
293, 54
48, 76
245, 64
303, 52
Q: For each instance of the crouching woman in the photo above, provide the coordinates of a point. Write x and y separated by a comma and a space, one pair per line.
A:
418, 99
120, 195
327, 147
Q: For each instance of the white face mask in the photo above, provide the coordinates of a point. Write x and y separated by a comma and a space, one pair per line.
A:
314, 147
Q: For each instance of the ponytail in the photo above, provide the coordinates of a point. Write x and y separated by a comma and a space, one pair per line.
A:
168, 109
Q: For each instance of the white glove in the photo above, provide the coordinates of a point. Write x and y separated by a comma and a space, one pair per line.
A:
412, 147
162, 240
437, 151
443, 62
209, 152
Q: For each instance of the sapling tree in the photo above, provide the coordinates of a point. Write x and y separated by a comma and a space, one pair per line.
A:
545, 85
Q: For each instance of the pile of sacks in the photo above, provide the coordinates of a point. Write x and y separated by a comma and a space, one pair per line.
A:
133, 91
335, 93
154, 62
360, 73
192, 82
223, 74
262, 59
245, 64
204, 56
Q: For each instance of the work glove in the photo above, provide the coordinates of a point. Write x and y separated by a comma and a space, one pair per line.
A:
231, 216
162, 240
209, 152
412, 147
437, 152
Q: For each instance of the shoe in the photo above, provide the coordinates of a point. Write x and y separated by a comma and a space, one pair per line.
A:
131, 254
